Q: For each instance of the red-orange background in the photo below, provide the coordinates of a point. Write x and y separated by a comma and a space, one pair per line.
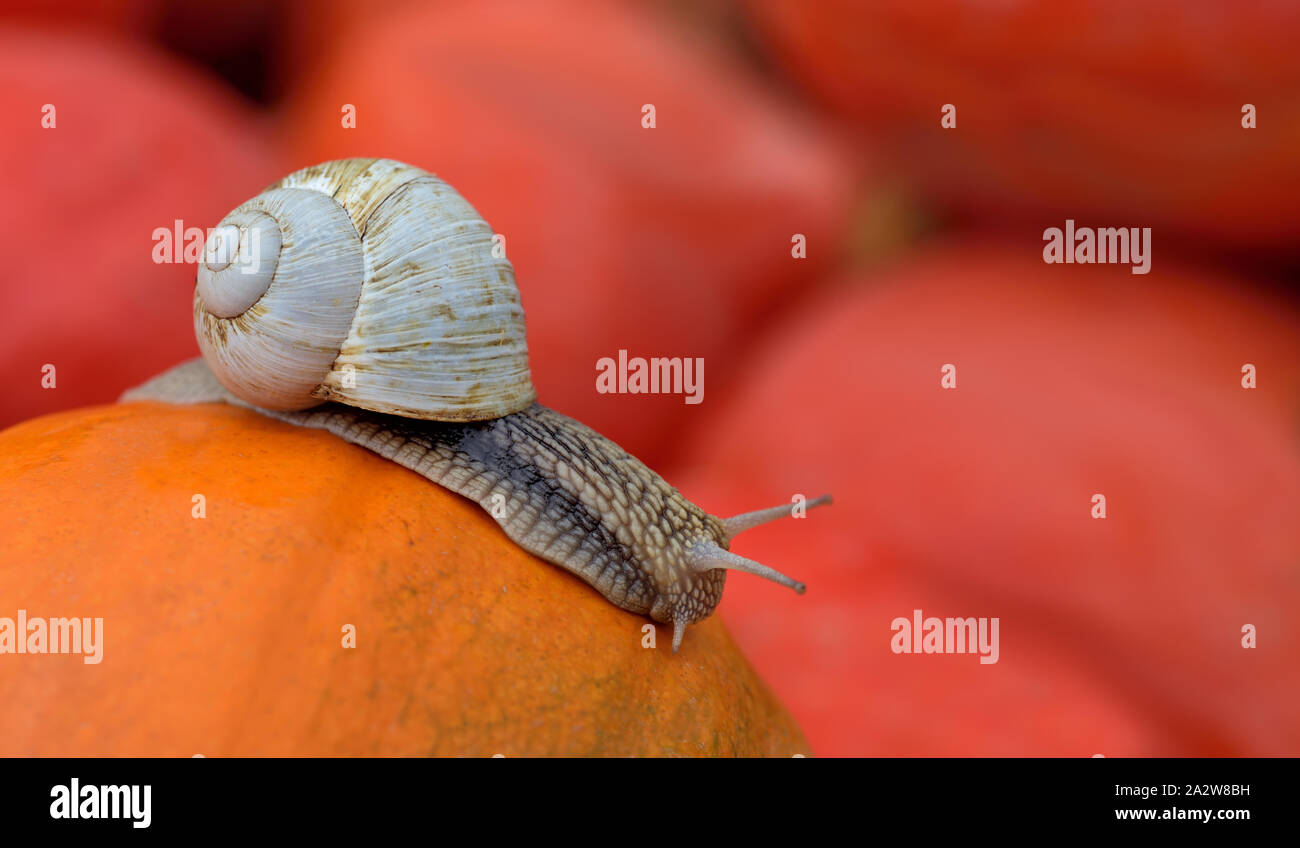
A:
1118, 636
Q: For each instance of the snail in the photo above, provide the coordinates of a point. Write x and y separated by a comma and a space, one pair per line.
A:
363, 297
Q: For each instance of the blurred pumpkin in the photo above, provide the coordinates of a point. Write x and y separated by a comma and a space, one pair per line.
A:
137, 142
125, 17
671, 241
238, 39
978, 501
224, 634
1131, 110
319, 28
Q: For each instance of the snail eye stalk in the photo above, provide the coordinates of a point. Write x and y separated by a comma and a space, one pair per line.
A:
737, 524
706, 556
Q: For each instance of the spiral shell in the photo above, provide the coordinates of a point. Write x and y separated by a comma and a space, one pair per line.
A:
368, 282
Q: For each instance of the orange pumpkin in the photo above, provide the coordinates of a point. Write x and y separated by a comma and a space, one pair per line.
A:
223, 634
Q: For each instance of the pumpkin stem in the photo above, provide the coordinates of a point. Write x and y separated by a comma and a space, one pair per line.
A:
737, 524
705, 556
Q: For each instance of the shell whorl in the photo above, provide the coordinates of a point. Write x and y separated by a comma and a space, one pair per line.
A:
368, 282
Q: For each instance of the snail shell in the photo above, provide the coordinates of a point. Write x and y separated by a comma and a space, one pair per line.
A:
368, 282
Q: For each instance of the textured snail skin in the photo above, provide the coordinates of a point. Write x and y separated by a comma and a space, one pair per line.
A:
559, 489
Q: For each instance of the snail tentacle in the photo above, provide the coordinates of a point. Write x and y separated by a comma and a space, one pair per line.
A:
705, 556
737, 524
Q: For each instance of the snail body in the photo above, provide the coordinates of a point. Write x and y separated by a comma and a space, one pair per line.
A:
367, 301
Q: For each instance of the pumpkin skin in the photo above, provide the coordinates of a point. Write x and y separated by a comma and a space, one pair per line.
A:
223, 635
